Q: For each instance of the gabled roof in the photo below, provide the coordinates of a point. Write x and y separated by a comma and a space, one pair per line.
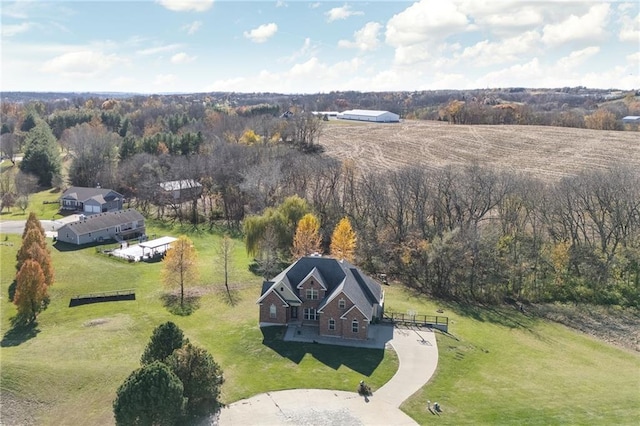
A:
101, 221
315, 273
338, 277
83, 194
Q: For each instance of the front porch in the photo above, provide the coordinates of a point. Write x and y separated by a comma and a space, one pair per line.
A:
377, 336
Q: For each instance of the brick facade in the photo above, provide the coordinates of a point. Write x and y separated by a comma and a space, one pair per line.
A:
307, 303
343, 326
281, 312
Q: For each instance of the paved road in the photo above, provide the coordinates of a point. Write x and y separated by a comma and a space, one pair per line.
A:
50, 226
418, 355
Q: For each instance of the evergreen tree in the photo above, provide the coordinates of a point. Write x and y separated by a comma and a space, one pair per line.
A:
41, 154
201, 377
165, 339
151, 395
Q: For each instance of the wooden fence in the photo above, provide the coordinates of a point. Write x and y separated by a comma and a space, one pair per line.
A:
103, 296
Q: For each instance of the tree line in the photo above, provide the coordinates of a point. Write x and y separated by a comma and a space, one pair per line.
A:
464, 232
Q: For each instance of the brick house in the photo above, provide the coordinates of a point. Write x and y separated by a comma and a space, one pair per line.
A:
332, 295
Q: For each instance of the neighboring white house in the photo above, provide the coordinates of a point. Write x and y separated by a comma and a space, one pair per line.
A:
369, 115
631, 119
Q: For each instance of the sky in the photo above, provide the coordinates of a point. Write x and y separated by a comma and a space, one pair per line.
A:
186, 46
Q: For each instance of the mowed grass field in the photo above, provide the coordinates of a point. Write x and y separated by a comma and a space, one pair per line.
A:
544, 152
68, 369
497, 366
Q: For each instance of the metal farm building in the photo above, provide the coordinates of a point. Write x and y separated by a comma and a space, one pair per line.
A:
369, 115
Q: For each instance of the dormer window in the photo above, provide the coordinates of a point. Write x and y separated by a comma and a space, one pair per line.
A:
281, 289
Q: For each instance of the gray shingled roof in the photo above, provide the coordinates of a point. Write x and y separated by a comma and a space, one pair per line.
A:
82, 194
100, 221
363, 291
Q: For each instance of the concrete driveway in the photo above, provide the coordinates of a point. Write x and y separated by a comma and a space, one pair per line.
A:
418, 355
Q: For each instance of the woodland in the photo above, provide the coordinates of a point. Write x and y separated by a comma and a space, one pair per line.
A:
463, 231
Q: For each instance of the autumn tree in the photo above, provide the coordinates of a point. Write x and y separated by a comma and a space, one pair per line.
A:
306, 240
180, 266
165, 339
32, 237
343, 241
151, 395
201, 378
601, 120
31, 291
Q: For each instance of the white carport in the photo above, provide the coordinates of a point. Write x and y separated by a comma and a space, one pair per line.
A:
157, 246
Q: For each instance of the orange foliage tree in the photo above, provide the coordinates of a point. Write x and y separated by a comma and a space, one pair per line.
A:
306, 240
180, 266
31, 291
343, 241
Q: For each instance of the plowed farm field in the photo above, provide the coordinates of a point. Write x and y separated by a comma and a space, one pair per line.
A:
548, 153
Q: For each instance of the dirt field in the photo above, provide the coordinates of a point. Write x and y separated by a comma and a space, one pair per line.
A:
546, 152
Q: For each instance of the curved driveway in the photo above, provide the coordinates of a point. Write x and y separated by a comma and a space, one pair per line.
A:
418, 356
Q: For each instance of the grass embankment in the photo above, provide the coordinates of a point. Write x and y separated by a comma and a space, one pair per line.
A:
500, 366
67, 370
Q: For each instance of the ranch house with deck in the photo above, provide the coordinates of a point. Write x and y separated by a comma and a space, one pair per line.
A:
332, 295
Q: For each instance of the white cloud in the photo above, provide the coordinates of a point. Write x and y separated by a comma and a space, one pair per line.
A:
193, 27
80, 63
588, 27
314, 5
577, 57
487, 52
630, 29
11, 30
158, 49
307, 49
164, 79
633, 58
365, 38
340, 13
187, 5
281, 3
182, 58
261, 34
425, 21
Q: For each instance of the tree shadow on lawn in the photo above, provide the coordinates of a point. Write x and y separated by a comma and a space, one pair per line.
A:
190, 304
20, 332
362, 360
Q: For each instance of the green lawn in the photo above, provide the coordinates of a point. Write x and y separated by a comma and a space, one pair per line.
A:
496, 366
499, 366
69, 368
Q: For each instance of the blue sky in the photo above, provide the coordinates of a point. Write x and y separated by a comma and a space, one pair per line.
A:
162, 46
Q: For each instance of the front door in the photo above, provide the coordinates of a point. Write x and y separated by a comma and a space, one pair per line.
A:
294, 312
